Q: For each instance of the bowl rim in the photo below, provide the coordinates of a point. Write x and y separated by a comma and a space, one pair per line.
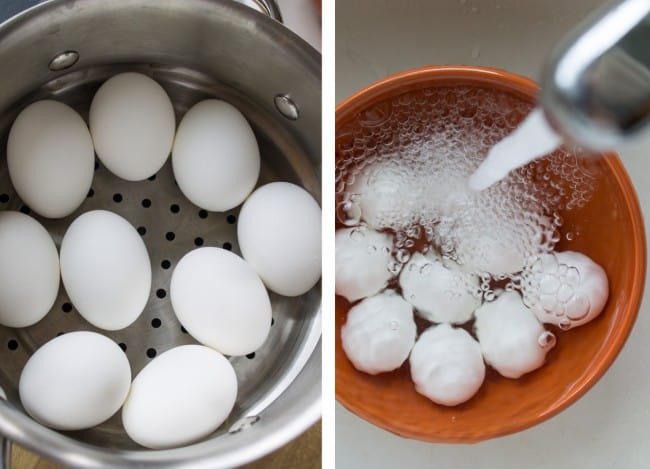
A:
413, 79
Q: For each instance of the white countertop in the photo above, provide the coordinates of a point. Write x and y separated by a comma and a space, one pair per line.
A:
610, 426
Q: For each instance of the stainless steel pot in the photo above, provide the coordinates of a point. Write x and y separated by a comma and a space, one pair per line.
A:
64, 49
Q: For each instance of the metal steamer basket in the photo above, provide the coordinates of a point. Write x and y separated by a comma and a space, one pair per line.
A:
64, 50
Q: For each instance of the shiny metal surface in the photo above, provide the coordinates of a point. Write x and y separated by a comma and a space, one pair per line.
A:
64, 60
596, 86
194, 49
287, 107
268, 7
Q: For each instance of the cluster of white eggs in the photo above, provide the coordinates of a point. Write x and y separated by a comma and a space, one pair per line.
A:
447, 362
80, 379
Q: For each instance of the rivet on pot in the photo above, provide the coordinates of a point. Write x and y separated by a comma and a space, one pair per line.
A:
64, 60
244, 424
286, 106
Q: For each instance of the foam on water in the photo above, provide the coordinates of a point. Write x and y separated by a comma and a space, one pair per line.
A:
403, 165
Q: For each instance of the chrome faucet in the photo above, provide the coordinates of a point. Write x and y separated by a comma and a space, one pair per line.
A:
596, 85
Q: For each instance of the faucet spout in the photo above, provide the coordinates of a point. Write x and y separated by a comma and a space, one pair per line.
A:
596, 84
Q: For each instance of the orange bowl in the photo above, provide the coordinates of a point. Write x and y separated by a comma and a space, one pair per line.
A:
611, 233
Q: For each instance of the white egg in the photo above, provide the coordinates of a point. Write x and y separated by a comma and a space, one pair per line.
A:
279, 233
569, 289
50, 158
513, 341
132, 124
105, 269
75, 381
216, 159
221, 301
379, 333
181, 396
361, 260
440, 293
447, 365
384, 193
29, 271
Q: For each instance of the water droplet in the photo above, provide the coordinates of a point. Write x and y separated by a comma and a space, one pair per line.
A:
564, 324
485, 278
357, 235
394, 325
426, 269
489, 295
402, 256
394, 267
413, 231
569, 236
372, 249
348, 213
547, 340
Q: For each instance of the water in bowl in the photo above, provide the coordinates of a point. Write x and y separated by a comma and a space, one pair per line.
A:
403, 167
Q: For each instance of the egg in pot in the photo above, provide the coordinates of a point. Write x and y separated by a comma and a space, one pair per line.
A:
106, 269
29, 271
50, 158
